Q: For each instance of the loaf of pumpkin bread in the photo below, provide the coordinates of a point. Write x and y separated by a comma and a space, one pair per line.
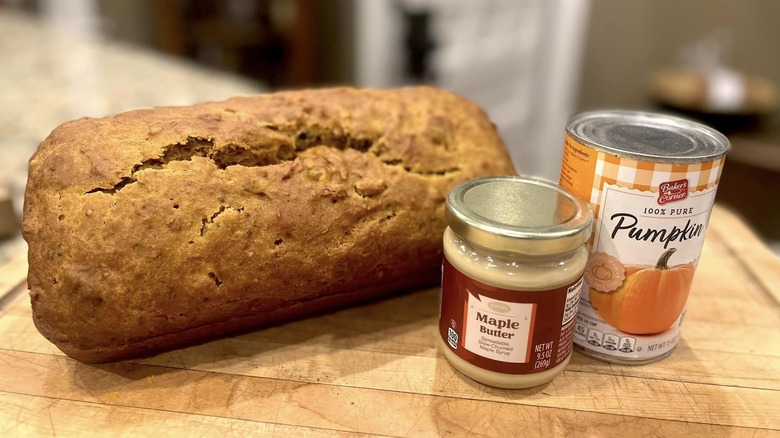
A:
158, 228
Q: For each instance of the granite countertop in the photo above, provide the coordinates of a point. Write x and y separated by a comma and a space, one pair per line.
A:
51, 76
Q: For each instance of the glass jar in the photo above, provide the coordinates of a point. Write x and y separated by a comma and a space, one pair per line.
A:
514, 254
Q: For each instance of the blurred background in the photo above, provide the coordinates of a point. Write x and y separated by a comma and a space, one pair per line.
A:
530, 63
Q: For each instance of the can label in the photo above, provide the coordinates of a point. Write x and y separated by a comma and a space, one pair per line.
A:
649, 225
503, 330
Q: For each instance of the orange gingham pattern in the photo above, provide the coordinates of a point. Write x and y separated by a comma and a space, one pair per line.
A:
647, 176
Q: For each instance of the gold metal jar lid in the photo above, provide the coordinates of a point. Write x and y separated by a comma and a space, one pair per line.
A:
522, 215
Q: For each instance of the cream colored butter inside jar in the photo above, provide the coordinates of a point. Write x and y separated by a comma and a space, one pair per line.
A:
514, 254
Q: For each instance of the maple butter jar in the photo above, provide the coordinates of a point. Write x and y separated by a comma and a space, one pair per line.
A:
514, 255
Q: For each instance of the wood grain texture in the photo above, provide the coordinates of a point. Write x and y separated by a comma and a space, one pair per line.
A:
375, 370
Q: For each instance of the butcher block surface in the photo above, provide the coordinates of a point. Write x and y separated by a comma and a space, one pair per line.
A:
375, 370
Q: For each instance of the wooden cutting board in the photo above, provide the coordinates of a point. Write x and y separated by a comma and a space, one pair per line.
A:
375, 369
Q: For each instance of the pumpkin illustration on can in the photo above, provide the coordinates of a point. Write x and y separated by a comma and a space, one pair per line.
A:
650, 299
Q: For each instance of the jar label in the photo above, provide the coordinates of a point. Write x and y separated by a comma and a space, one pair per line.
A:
503, 330
649, 225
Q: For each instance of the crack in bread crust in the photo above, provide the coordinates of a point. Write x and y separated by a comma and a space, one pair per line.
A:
278, 149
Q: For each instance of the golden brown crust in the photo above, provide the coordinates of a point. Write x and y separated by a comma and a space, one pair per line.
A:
201, 333
157, 223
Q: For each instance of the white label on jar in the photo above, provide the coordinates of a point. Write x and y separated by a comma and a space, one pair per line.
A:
505, 330
499, 330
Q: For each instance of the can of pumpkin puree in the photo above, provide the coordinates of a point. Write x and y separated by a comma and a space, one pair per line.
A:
651, 181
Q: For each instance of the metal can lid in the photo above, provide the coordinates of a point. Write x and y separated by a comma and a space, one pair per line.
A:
522, 215
649, 136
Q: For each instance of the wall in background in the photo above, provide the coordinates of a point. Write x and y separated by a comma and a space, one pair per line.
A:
628, 39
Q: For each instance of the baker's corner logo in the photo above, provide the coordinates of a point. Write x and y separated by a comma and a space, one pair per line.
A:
672, 191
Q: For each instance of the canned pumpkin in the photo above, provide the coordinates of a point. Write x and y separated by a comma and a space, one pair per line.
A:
651, 180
